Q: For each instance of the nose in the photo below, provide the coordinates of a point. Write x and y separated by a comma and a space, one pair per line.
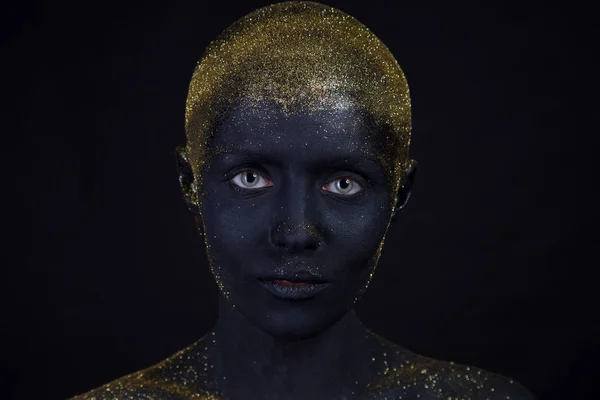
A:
295, 226
296, 239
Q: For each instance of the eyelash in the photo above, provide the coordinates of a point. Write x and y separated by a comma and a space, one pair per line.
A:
237, 173
257, 173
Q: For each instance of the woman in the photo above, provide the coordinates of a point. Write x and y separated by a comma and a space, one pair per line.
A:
298, 128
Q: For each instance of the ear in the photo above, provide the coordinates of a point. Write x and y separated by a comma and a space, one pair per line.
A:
187, 181
408, 179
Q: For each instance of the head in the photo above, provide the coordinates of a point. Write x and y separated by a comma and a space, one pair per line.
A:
298, 128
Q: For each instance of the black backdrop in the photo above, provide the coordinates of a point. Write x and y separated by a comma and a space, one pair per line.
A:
490, 265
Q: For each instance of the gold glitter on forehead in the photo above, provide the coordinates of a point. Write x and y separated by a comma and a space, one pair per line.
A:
304, 57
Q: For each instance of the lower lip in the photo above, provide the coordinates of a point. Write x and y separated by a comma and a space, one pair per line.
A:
293, 290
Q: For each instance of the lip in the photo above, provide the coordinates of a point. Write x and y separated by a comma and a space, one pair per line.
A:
295, 289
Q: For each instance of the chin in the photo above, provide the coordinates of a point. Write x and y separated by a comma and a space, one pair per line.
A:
295, 321
294, 326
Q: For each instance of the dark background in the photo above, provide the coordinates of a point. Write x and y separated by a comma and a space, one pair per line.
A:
493, 263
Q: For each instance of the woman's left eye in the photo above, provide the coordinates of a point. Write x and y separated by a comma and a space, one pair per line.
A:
344, 186
250, 179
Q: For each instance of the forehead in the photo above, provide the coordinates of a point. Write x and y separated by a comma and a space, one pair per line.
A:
314, 135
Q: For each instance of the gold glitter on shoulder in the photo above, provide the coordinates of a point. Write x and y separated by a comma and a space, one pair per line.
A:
407, 375
183, 376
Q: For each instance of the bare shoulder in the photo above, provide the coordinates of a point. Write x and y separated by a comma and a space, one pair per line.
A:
409, 375
180, 377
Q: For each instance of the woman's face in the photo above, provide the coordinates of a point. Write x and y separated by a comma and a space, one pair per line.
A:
295, 209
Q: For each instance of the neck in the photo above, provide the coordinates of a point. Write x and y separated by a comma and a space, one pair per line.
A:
247, 359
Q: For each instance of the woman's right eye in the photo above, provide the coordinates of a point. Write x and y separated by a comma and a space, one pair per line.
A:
250, 179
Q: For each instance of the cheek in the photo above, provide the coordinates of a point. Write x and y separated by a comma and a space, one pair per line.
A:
357, 232
235, 229
231, 235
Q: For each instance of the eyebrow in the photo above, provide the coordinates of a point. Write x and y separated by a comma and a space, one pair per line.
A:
341, 161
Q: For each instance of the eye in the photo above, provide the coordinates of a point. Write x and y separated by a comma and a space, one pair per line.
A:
249, 179
344, 186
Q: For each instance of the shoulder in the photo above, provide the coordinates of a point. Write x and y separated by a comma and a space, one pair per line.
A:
179, 377
133, 386
409, 375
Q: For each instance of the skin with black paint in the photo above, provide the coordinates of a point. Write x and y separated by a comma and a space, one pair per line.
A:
295, 220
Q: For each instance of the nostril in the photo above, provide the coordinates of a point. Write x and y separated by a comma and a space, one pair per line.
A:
313, 246
296, 239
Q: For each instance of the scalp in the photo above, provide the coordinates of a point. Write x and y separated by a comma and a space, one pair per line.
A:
305, 57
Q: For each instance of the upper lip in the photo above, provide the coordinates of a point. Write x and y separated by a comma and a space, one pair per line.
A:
297, 276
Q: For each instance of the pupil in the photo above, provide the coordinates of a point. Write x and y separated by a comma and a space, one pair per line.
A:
344, 183
250, 177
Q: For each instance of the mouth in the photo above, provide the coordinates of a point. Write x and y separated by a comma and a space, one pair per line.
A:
294, 288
